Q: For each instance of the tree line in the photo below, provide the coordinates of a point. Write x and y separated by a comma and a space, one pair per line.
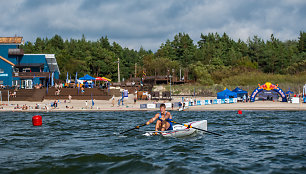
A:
212, 59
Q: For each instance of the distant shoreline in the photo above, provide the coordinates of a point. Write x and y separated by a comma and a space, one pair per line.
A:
107, 106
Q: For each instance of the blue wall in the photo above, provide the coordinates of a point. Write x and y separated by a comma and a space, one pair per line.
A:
6, 77
4, 52
39, 58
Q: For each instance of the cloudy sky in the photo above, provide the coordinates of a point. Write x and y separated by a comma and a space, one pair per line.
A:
148, 23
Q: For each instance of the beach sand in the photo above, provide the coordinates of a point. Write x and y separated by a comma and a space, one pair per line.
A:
106, 105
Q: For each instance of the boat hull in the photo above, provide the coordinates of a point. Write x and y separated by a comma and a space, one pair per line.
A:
180, 130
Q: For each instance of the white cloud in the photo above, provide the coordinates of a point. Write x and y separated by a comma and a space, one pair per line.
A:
149, 23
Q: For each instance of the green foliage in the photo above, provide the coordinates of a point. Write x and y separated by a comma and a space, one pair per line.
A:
254, 78
201, 74
215, 59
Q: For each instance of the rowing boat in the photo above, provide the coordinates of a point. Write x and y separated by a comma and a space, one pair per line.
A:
180, 130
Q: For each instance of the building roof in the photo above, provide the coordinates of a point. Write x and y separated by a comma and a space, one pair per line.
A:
11, 40
7, 61
52, 63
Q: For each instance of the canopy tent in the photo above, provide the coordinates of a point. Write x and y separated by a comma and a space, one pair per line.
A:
289, 92
240, 92
226, 94
87, 77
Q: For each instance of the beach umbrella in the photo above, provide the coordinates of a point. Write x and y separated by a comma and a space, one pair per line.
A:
107, 79
101, 79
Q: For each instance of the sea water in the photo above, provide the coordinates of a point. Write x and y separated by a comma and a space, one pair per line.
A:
89, 142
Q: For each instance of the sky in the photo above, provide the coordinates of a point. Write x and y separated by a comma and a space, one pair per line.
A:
149, 23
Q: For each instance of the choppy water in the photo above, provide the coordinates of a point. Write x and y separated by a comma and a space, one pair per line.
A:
255, 142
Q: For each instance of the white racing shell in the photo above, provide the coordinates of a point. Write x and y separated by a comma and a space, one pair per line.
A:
180, 130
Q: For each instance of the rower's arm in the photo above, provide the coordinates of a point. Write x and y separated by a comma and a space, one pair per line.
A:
168, 116
152, 119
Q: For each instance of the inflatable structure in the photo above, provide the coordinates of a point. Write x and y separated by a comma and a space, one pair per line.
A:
268, 86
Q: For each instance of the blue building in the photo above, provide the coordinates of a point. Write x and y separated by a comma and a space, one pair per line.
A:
24, 70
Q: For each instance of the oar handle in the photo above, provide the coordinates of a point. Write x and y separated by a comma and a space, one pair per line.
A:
189, 126
136, 127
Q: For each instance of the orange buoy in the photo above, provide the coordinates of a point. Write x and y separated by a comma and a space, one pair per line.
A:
37, 120
239, 112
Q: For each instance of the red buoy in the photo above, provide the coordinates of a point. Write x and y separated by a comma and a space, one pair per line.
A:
239, 112
37, 120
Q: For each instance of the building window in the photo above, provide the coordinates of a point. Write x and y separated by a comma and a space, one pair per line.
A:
1, 70
15, 82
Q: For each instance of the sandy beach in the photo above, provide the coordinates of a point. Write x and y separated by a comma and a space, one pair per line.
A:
106, 105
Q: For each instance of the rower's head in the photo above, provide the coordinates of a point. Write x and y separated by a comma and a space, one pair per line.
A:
162, 108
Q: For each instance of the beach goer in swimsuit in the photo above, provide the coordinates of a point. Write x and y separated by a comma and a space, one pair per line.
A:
163, 118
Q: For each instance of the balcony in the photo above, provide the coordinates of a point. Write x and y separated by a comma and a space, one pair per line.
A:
15, 52
30, 75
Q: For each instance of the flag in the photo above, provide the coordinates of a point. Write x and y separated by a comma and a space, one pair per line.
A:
67, 77
76, 78
8, 97
47, 87
34, 80
92, 101
52, 79
49, 78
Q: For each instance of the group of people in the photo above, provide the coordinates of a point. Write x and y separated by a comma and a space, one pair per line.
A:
24, 107
13, 94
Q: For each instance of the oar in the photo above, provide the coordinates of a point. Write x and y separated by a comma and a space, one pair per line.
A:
189, 126
136, 127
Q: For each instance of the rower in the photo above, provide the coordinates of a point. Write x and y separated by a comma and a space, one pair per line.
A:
163, 118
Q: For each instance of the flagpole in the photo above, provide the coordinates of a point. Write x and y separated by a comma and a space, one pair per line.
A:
8, 97
118, 70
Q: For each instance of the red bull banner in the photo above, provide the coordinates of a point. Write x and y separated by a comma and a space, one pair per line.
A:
268, 86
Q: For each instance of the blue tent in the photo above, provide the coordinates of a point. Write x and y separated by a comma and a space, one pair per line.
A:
289, 92
87, 77
226, 94
240, 92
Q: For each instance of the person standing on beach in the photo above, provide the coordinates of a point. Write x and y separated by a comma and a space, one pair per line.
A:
135, 99
86, 104
113, 101
163, 118
69, 98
